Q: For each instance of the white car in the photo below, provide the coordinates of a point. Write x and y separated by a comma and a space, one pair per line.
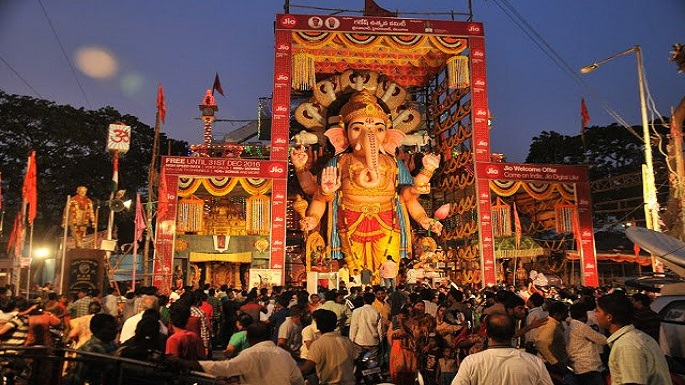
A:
670, 305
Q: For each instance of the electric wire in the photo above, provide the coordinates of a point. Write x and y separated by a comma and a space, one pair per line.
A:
547, 49
21, 77
64, 54
342, 10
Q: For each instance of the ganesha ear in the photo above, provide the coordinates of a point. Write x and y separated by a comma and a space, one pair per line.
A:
393, 139
336, 135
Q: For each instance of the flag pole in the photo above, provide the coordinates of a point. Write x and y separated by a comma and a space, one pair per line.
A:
150, 198
60, 288
134, 257
28, 271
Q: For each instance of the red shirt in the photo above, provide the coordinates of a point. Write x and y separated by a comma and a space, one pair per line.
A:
208, 310
185, 344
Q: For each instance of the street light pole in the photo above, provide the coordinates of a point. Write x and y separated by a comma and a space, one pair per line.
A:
651, 204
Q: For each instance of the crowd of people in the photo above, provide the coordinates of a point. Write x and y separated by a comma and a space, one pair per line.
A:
443, 334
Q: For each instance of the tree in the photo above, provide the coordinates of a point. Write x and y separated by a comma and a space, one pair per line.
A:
554, 148
70, 152
608, 152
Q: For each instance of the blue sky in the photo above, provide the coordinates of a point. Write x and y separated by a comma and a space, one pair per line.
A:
182, 45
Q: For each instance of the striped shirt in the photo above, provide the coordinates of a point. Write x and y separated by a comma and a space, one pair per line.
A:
19, 332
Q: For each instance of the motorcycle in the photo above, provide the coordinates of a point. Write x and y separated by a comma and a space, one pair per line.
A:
368, 369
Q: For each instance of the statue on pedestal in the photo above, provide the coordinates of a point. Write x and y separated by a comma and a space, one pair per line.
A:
81, 215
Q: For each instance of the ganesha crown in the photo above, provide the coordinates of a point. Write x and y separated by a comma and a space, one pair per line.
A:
362, 103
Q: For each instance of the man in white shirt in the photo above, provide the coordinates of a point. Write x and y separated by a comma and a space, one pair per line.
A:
111, 302
129, 327
290, 331
582, 347
535, 312
262, 363
332, 355
388, 273
501, 363
366, 326
635, 357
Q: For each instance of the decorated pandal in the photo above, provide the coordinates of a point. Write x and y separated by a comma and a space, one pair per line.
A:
223, 234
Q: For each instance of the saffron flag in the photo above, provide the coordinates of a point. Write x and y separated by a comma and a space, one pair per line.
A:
115, 171
217, 85
14, 235
161, 106
583, 112
163, 195
29, 191
517, 227
139, 220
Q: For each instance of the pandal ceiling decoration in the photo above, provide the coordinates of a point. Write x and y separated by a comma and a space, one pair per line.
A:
223, 186
411, 60
539, 191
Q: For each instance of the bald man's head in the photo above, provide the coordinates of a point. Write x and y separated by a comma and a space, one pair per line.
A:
501, 328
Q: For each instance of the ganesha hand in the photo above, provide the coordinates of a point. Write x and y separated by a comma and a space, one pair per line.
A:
308, 223
330, 182
431, 224
436, 227
299, 157
431, 161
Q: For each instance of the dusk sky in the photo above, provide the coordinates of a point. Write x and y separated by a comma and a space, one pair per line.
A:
183, 44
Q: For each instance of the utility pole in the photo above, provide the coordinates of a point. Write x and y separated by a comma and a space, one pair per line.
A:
152, 175
677, 118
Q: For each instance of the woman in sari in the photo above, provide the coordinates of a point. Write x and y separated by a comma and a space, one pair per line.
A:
403, 359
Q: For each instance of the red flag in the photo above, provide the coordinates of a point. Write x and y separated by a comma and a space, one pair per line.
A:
14, 235
217, 85
161, 106
517, 227
163, 195
140, 222
29, 192
373, 9
583, 112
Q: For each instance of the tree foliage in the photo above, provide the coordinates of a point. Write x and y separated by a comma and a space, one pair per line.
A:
607, 151
70, 152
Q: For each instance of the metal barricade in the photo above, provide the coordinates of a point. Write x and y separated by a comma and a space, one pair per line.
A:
45, 366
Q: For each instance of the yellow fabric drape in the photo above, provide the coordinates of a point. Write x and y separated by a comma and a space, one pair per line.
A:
539, 191
223, 186
369, 42
245, 257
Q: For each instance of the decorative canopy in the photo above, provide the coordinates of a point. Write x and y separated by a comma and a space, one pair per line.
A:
411, 60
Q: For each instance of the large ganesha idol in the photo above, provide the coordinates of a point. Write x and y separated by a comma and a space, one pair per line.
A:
370, 194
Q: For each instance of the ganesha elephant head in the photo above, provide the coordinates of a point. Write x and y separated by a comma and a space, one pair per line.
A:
367, 128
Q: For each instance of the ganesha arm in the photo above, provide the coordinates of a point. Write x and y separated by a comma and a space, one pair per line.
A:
299, 158
422, 179
307, 181
417, 212
316, 209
